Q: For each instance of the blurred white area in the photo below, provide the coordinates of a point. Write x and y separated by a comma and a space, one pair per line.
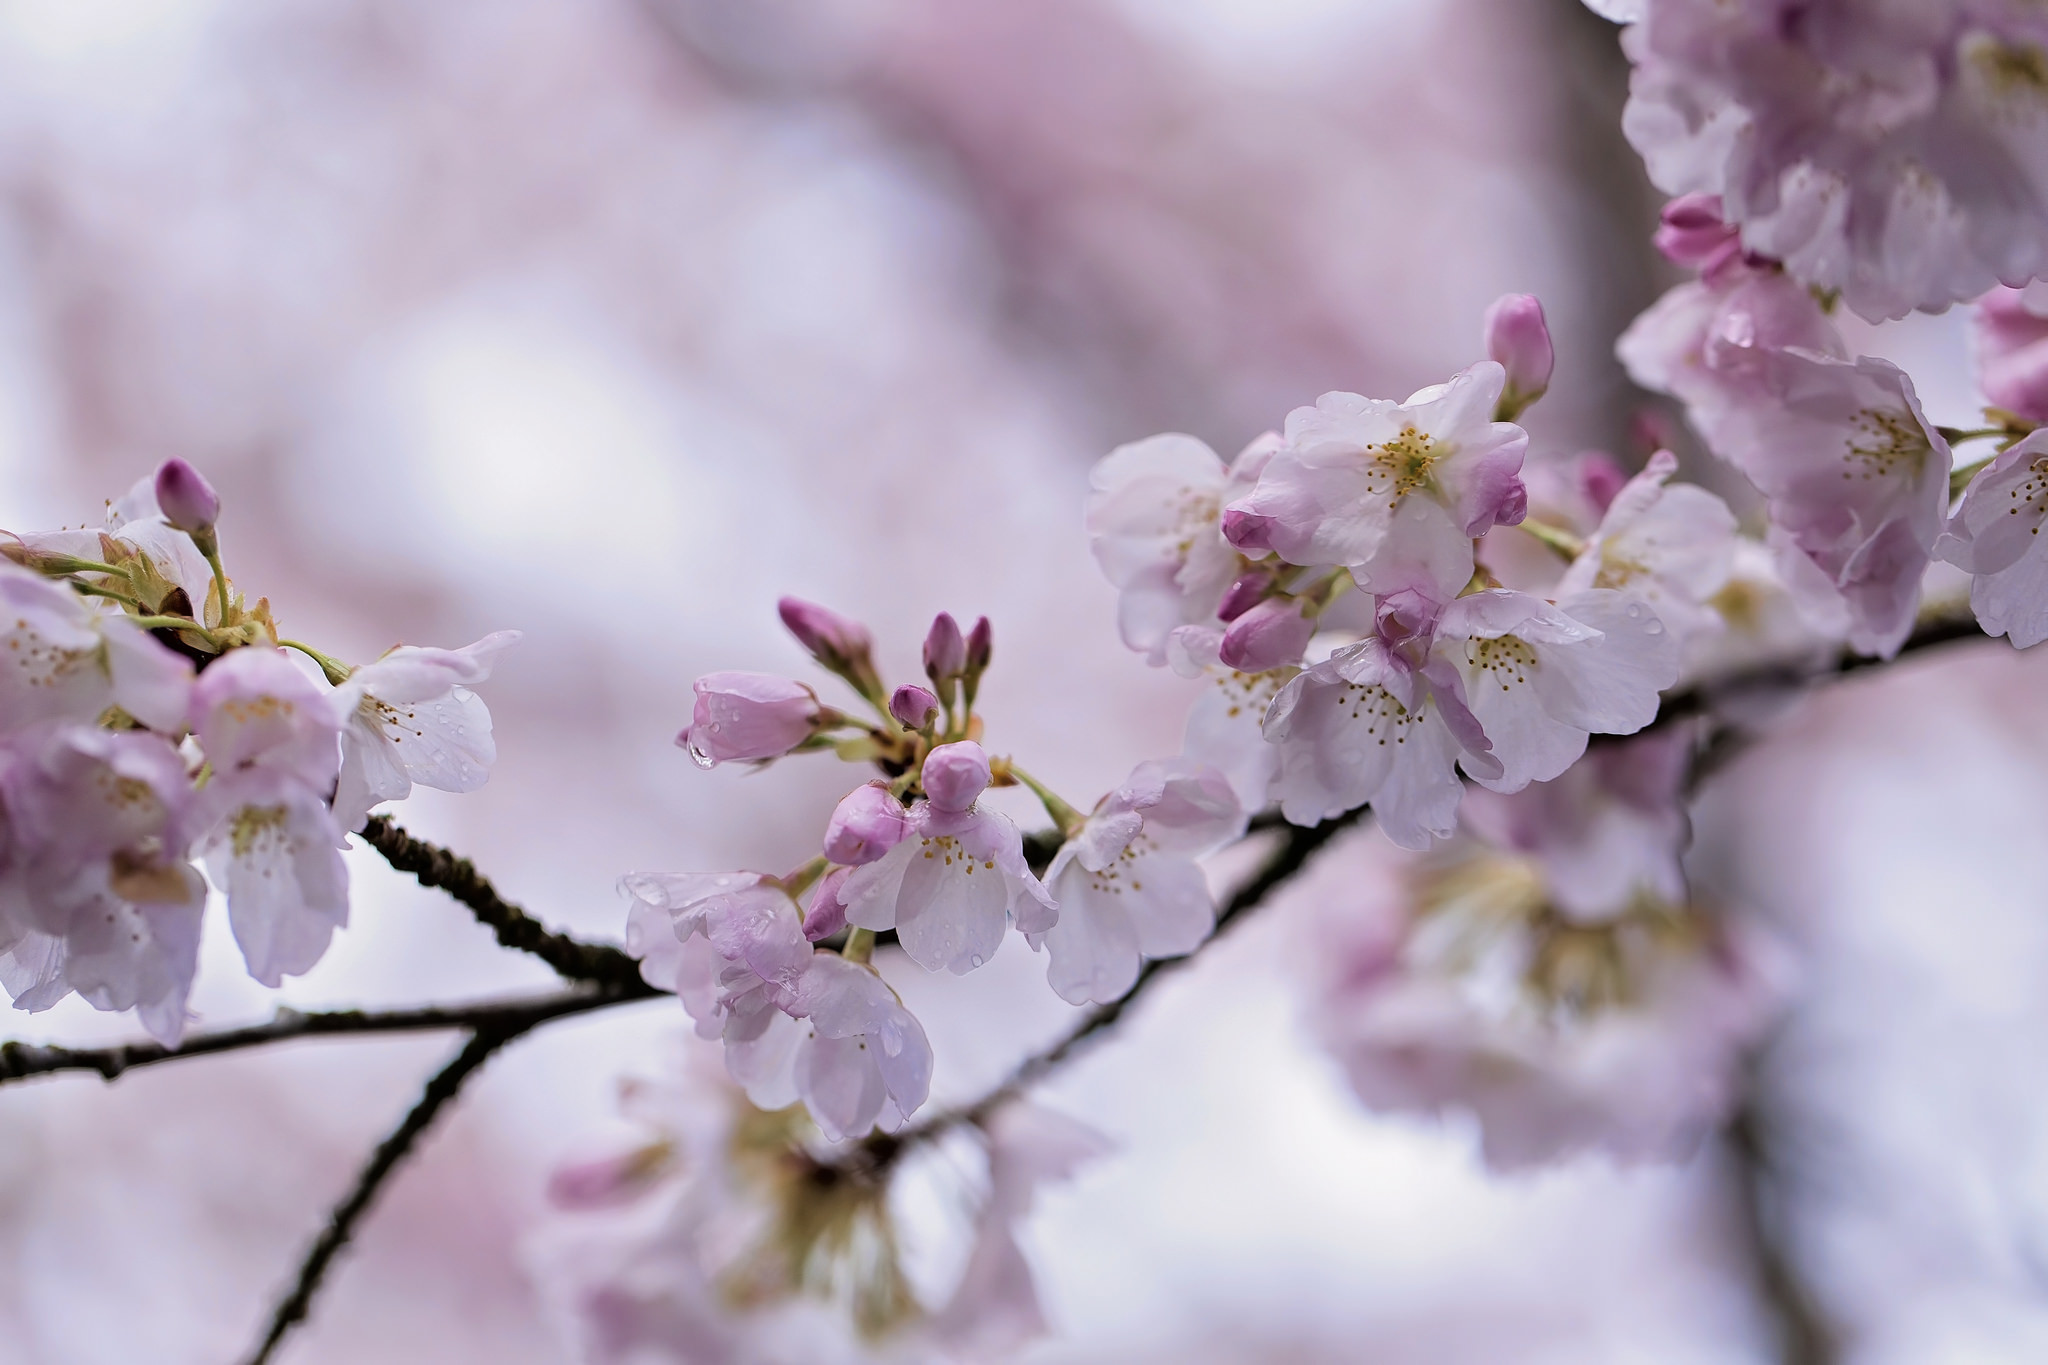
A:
614, 321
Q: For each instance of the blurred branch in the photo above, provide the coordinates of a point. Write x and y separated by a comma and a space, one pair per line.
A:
341, 1224
21, 1060
434, 866
1804, 1337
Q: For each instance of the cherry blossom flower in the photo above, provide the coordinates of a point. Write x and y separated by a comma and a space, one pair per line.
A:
1671, 545
98, 897
1376, 486
1890, 152
796, 1023
64, 659
1154, 522
1456, 982
1128, 884
957, 877
1223, 725
411, 717
866, 824
273, 741
1857, 480
1519, 339
2012, 350
749, 717
1501, 683
1995, 535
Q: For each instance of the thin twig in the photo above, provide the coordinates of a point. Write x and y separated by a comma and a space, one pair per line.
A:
21, 1060
434, 866
341, 1224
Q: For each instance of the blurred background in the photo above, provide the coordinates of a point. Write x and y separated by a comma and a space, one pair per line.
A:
613, 320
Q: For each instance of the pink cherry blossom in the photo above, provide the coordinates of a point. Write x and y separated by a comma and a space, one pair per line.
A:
957, 877
63, 659
748, 717
1519, 339
99, 898
1995, 535
273, 740
411, 717
1857, 480
1888, 151
1671, 545
1223, 725
1154, 523
1128, 885
185, 498
1377, 486
2012, 350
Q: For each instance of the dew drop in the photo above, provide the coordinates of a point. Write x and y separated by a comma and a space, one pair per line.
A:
1634, 611
977, 959
1654, 628
699, 757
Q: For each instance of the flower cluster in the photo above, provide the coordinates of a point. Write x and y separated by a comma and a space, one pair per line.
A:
150, 716
1892, 153
729, 1234
780, 967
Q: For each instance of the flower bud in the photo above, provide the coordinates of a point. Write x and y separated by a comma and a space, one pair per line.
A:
1243, 595
1250, 532
954, 775
1694, 234
186, 499
827, 915
840, 644
1519, 339
1600, 479
914, 706
945, 652
1271, 634
867, 823
981, 647
746, 716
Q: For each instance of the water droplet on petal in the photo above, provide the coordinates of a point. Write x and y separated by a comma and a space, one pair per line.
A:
977, 959
1634, 611
1655, 627
699, 757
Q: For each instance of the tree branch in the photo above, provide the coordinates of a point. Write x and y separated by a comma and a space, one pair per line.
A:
1804, 1336
19, 1061
341, 1224
434, 866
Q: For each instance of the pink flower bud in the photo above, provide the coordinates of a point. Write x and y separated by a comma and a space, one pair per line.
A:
955, 774
742, 716
1248, 531
836, 642
914, 706
2012, 354
867, 823
1519, 339
186, 499
945, 652
827, 915
1243, 595
1271, 634
1600, 479
981, 647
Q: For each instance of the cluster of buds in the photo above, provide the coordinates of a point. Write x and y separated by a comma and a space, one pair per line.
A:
150, 716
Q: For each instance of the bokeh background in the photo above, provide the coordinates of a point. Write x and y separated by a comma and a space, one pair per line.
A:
612, 320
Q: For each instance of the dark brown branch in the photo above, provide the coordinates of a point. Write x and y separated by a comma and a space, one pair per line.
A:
341, 1224
598, 963
21, 1060
1804, 1336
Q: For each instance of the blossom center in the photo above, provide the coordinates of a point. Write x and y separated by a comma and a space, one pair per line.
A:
2031, 496
42, 663
1883, 444
1403, 464
1508, 658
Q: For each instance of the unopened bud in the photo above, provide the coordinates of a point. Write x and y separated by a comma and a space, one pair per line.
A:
1693, 233
1243, 595
827, 915
186, 499
915, 707
1248, 531
747, 716
1600, 479
981, 647
840, 644
867, 823
954, 775
1272, 634
945, 652
1518, 337
2012, 353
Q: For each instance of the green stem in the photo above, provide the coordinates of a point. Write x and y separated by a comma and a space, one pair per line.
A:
1957, 435
1556, 537
799, 881
220, 578
337, 672
1065, 816
183, 623
860, 945
90, 591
